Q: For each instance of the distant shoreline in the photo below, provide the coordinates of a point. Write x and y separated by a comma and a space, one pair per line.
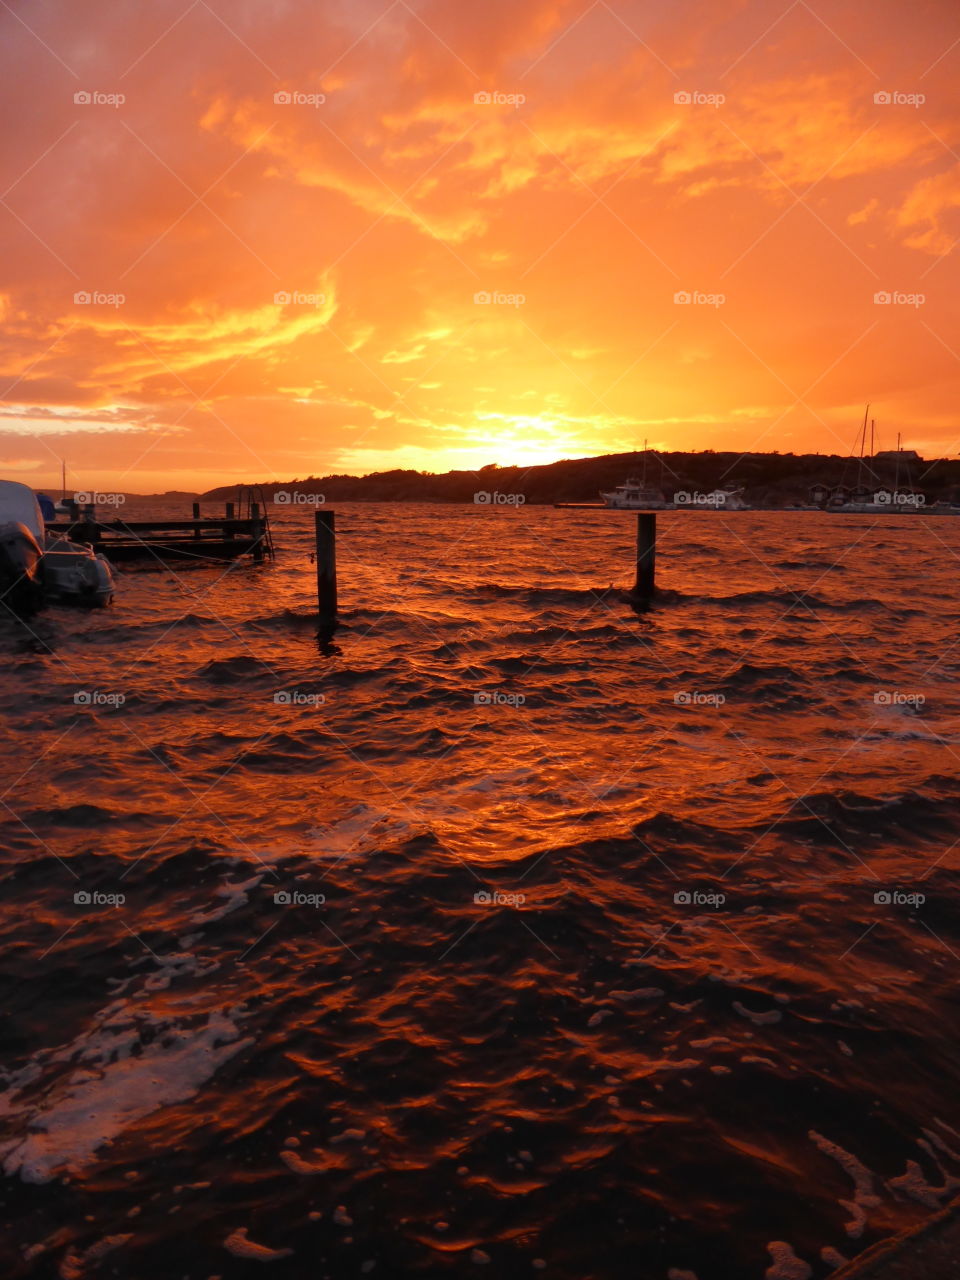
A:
769, 479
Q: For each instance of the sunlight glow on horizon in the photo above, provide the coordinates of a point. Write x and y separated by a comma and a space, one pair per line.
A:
412, 273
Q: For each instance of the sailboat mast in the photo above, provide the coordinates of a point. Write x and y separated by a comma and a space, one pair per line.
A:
863, 445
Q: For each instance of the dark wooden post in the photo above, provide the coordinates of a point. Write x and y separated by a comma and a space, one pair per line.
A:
645, 584
87, 530
256, 528
325, 532
196, 516
228, 529
229, 510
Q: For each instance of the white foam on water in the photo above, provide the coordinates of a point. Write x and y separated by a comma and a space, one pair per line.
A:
758, 1019
241, 1246
938, 1142
950, 1182
110, 1089
456, 811
833, 1258
914, 1185
296, 1163
363, 830
864, 1196
786, 1265
236, 896
348, 1135
358, 833
668, 1064
74, 1265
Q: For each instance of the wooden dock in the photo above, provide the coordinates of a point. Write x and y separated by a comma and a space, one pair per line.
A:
199, 539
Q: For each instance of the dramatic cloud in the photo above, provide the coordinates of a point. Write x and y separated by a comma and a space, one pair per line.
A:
256, 240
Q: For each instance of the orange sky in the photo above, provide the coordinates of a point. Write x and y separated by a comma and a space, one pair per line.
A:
583, 198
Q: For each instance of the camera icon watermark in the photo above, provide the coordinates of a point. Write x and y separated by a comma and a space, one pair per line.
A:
693, 698
498, 699
496, 98
297, 98
896, 698
694, 98
95, 698
695, 298
95, 98
894, 98
697, 898
85, 898
486, 898
886, 298
294, 498
484, 498
897, 898
295, 898
886, 498
93, 498
96, 298
298, 298
486, 298
684, 498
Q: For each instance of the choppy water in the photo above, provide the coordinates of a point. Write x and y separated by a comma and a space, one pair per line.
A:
504, 1043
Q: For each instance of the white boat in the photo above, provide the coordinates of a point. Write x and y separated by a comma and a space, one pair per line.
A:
37, 567
727, 498
636, 495
21, 548
733, 499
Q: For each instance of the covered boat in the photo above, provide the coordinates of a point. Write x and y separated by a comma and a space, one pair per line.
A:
37, 567
21, 548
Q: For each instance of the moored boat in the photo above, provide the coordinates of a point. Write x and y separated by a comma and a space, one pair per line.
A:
728, 497
37, 568
21, 549
636, 495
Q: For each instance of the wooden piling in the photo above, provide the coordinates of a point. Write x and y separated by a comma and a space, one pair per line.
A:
645, 584
196, 516
85, 528
257, 527
325, 533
